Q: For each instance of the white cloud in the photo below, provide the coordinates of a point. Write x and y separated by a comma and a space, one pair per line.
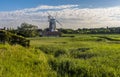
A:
46, 7
71, 16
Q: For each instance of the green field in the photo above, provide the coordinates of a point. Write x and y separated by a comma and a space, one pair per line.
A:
67, 56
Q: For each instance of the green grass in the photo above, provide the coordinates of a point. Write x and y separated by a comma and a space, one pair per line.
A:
16, 61
76, 56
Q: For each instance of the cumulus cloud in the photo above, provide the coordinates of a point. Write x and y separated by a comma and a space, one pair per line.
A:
71, 16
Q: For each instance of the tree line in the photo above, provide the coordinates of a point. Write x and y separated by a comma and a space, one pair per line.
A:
111, 30
29, 30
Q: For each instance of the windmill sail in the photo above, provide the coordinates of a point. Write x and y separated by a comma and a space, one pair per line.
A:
58, 22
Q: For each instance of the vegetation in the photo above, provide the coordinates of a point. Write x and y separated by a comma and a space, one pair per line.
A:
12, 39
27, 30
17, 61
112, 30
77, 56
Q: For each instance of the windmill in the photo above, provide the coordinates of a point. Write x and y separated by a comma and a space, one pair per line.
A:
52, 22
52, 26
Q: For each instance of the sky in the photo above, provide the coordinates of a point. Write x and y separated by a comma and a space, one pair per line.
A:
71, 13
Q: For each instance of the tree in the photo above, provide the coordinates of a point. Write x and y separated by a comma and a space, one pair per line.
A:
27, 30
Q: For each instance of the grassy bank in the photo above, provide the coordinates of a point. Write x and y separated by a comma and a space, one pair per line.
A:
16, 61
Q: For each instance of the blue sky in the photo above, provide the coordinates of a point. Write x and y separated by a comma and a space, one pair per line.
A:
8, 5
71, 13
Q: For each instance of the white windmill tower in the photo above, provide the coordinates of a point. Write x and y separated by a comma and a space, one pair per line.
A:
52, 23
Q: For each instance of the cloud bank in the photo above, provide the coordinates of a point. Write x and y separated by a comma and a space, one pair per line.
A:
71, 16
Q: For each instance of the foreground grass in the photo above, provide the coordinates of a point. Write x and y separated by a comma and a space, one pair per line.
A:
76, 56
16, 61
